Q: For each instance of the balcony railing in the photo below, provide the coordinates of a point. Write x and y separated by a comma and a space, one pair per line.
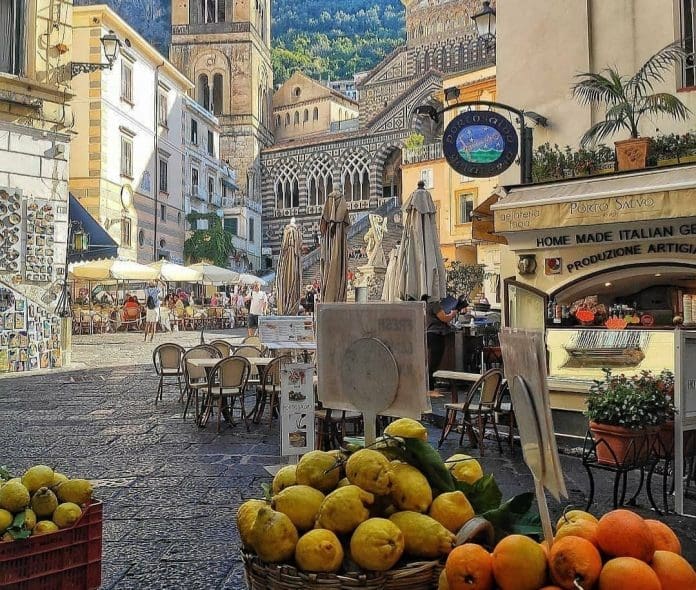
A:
216, 200
197, 193
424, 153
347, 125
231, 202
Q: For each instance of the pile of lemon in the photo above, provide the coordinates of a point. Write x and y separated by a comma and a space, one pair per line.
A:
369, 509
41, 501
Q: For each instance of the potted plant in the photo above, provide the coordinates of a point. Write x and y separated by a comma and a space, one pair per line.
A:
628, 100
625, 411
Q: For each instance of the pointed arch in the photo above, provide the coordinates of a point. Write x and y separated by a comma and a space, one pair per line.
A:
355, 176
287, 185
319, 174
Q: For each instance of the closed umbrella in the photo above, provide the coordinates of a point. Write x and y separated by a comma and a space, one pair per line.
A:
289, 276
333, 262
214, 274
170, 272
104, 270
390, 291
421, 270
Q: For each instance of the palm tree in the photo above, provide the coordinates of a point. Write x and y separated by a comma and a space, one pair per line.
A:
629, 99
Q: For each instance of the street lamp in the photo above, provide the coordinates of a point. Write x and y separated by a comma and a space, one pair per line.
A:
111, 44
78, 241
485, 22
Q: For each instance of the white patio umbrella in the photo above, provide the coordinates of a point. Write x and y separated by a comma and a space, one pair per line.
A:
215, 274
104, 270
168, 271
247, 279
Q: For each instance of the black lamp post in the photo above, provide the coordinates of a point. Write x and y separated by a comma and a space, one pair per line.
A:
111, 44
485, 22
78, 241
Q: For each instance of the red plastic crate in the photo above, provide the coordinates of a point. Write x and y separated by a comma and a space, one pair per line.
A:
66, 560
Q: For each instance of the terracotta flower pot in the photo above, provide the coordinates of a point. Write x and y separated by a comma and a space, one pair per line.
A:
618, 445
632, 154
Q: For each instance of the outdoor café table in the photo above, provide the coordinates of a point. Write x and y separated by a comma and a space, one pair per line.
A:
304, 347
454, 378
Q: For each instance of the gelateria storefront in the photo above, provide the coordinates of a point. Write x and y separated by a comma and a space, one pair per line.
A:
606, 266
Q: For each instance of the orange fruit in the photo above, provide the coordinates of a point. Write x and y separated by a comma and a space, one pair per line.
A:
628, 573
469, 567
574, 559
574, 516
673, 571
581, 527
664, 537
622, 533
545, 546
519, 563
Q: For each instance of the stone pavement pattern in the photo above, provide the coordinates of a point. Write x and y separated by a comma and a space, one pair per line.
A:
170, 490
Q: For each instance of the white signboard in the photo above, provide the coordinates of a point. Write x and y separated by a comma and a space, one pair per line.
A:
685, 402
289, 331
296, 409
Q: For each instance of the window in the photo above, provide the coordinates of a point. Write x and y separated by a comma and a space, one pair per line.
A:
305, 116
203, 92
427, 177
127, 157
287, 119
163, 173
297, 91
178, 218
277, 121
213, 11
211, 143
315, 114
141, 238
216, 107
194, 131
12, 25
211, 187
163, 213
194, 182
287, 186
162, 109
252, 237
355, 177
687, 17
126, 232
127, 81
319, 180
296, 119
466, 207
231, 225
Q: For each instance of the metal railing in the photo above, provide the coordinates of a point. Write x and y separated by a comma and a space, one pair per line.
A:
347, 125
231, 202
424, 153
216, 200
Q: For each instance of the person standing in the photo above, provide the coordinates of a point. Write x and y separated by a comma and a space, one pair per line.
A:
258, 305
152, 313
437, 328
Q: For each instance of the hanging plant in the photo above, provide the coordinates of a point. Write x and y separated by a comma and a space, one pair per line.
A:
213, 245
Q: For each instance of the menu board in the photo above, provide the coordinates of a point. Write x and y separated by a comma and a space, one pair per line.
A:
290, 331
296, 409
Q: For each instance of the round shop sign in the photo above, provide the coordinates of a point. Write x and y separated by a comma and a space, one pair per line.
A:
480, 144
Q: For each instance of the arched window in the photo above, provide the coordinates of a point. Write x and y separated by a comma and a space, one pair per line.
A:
277, 121
287, 186
296, 120
287, 119
426, 61
319, 180
355, 176
203, 91
305, 117
217, 94
315, 114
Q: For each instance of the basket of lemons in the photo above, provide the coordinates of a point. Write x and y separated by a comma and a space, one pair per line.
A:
384, 517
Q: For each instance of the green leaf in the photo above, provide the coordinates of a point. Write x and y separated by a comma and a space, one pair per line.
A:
484, 495
19, 519
425, 458
18, 533
267, 492
516, 516
4, 473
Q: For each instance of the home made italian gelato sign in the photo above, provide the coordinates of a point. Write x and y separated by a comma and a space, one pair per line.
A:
296, 409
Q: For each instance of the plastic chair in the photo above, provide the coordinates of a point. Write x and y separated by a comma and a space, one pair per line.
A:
228, 381
167, 359
196, 378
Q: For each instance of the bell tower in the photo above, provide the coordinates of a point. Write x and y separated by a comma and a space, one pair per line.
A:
224, 48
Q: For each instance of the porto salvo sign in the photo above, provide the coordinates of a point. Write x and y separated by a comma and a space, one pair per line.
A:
480, 144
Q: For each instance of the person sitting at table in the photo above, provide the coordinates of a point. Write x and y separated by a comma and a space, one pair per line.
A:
214, 300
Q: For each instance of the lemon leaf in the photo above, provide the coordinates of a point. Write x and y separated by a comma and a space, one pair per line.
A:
483, 495
425, 458
515, 516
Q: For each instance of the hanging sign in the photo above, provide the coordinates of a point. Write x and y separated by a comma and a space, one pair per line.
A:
480, 144
296, 409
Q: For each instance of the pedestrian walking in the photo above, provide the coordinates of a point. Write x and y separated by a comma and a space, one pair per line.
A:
152, 313
258, 305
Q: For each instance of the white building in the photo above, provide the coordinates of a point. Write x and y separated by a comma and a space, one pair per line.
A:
128, 158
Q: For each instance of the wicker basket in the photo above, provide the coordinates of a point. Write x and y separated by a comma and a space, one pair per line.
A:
421, 575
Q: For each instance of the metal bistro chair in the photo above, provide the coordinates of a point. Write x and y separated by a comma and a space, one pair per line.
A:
228, 380
269, 389
250, 352
505, 413
252, 341
223, 346
479, 402
167, 359
196, 378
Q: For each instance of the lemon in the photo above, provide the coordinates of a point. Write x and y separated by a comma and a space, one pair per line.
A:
44, 527
343, 483
66, 515
58, 478
284, 478
407, 428
6, 519
14, 496
77, 491
370, 470
37, 477
423, 535
442, 581
44, 502
377, 544
300, 503
246, 516
464, 468
319, 550
273, 536
452, 510
410, 488
318, 469
29, 519
344, 509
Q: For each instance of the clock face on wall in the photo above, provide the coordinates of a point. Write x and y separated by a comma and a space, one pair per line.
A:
480, 144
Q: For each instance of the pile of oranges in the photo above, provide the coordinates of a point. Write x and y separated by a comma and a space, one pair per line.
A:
620, 551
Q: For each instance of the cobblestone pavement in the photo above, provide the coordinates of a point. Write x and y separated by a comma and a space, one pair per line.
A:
169, 489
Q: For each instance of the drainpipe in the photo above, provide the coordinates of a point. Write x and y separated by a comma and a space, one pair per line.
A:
155, 176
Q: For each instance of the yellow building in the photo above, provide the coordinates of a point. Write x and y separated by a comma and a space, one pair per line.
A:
35, 132
457, 196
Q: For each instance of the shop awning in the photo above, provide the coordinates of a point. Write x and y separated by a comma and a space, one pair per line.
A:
229, 184
101, 244
482, 221
646, 195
